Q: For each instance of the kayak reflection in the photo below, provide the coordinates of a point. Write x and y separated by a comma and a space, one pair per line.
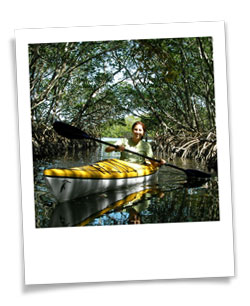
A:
81, 212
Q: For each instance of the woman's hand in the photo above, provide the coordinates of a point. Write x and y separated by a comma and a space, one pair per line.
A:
120, 148
117, 149
162, 162
158, 164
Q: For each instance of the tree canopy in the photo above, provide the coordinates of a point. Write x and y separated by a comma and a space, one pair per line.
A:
167, 83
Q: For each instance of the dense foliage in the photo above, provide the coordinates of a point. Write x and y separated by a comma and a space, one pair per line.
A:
168, 83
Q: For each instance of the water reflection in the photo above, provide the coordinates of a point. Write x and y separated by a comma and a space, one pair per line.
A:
172, 199
81, 212
164, 205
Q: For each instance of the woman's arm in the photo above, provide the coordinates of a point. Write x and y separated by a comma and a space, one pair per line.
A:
109, 149
149, 153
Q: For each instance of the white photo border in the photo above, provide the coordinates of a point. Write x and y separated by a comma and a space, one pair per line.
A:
125, 253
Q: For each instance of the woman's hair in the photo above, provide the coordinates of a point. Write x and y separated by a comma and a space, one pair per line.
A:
142, 124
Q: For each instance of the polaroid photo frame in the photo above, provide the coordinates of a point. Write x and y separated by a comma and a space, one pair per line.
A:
126, 253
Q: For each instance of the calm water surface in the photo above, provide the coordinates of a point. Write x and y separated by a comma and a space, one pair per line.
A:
171, 199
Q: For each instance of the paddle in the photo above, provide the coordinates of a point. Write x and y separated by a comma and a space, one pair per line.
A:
72, 132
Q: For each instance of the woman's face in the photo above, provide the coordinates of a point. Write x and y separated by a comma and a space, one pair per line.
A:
138, 132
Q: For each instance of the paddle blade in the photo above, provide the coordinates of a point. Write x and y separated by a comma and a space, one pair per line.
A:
69, 131
193, 173
195, 183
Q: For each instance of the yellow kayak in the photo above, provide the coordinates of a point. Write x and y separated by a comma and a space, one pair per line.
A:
71, 183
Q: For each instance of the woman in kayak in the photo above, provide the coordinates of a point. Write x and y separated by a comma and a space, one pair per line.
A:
136, 144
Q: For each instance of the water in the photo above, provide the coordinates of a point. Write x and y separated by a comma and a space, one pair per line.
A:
171, 199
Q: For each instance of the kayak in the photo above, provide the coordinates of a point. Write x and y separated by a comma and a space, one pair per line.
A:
71, 183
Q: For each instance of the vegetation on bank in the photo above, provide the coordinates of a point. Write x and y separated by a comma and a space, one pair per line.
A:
100, 86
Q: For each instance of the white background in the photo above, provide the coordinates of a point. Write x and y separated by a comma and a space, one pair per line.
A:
30, 14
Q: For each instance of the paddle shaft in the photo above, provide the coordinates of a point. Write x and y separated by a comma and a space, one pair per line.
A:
72, 132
